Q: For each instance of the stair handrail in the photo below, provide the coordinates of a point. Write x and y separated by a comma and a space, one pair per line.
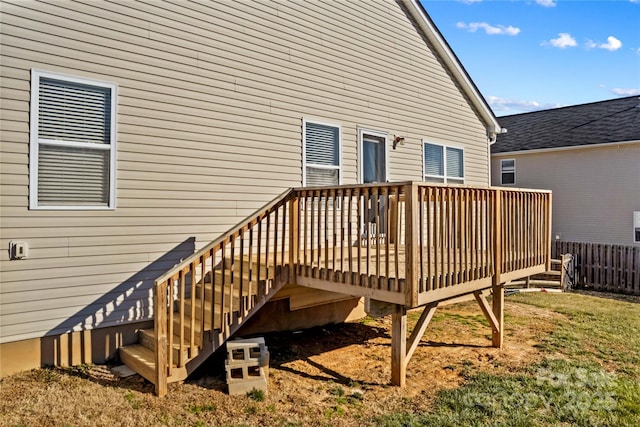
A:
161, 284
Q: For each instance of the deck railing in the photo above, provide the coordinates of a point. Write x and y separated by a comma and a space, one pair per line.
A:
404, 243
401, 242
204, 298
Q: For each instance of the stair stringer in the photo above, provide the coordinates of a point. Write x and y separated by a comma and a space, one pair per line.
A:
218, 338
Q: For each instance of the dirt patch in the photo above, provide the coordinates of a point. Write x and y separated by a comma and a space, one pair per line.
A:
317, 376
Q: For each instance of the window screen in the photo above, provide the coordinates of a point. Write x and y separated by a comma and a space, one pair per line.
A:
73, 145
322, 154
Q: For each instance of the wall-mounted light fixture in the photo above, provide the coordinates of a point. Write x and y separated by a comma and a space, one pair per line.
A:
398, 140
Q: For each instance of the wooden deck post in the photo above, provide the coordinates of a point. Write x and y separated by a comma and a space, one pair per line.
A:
412, 243
160, 329
497, 287
399, 345
549, 216
294, 244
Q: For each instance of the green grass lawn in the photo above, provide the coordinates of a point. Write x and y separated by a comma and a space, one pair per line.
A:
590, 375
569, 360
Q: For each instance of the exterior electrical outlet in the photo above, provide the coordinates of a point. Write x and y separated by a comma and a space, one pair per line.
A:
18, 250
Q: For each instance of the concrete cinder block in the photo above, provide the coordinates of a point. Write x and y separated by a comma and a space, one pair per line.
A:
242, 351
247, 371
247, 366
244, 387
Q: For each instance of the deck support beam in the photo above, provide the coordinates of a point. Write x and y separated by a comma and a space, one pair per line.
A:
497, 338
497, 286
399, 345
495, 321
418, 330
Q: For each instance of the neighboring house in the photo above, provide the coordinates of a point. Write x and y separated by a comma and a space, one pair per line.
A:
589, 156
134, 133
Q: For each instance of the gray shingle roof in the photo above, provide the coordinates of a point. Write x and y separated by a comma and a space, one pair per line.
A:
615, 120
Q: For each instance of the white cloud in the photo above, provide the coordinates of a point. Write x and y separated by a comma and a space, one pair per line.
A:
513, 106
489, 29
611, 44
634, 1
624, 92
564, 40
548, 3
470, 1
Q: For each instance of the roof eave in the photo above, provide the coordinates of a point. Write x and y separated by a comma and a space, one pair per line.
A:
455, 67
565, 148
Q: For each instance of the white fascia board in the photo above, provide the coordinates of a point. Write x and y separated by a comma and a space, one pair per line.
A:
454, 66
567, 148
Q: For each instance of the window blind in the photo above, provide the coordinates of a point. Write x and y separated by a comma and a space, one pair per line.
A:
72, 176
322, 145
455, 165
73, 112
433, 160
322, 154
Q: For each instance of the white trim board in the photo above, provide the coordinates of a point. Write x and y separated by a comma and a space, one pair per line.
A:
566, 148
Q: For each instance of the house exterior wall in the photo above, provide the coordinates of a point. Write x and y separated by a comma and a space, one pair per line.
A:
595, 190
211, 98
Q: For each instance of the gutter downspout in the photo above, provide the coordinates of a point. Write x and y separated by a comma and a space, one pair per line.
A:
492, 136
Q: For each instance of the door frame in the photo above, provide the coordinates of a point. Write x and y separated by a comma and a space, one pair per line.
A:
379, 134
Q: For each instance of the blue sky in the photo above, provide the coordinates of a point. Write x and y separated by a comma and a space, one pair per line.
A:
527, 55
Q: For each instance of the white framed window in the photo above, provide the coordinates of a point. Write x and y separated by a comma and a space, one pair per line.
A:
636, 227
72, 142
442, 163
321, 153
508, 171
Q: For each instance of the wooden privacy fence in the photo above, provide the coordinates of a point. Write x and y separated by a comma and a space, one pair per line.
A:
611, 268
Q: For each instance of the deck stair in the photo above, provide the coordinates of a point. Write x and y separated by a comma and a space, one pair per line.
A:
560, 276
423, 244
215, 327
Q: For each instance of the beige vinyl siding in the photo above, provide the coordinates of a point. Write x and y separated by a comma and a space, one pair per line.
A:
595, 190
211, 97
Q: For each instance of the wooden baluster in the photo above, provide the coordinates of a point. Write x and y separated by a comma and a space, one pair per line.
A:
241, 302
429, 284
325, 195
284, 233
275, 240
369, 205
203, 297
342, 234
387, 234
213, 291
192, 322
181, 323
266, 252
232, 279
421, 243
223, 299
398, 228
332, 194
376, 205
439, 234
250, 274
350, 233
455, 225
359, 237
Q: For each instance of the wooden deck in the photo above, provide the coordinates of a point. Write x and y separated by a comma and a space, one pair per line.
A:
407, 245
